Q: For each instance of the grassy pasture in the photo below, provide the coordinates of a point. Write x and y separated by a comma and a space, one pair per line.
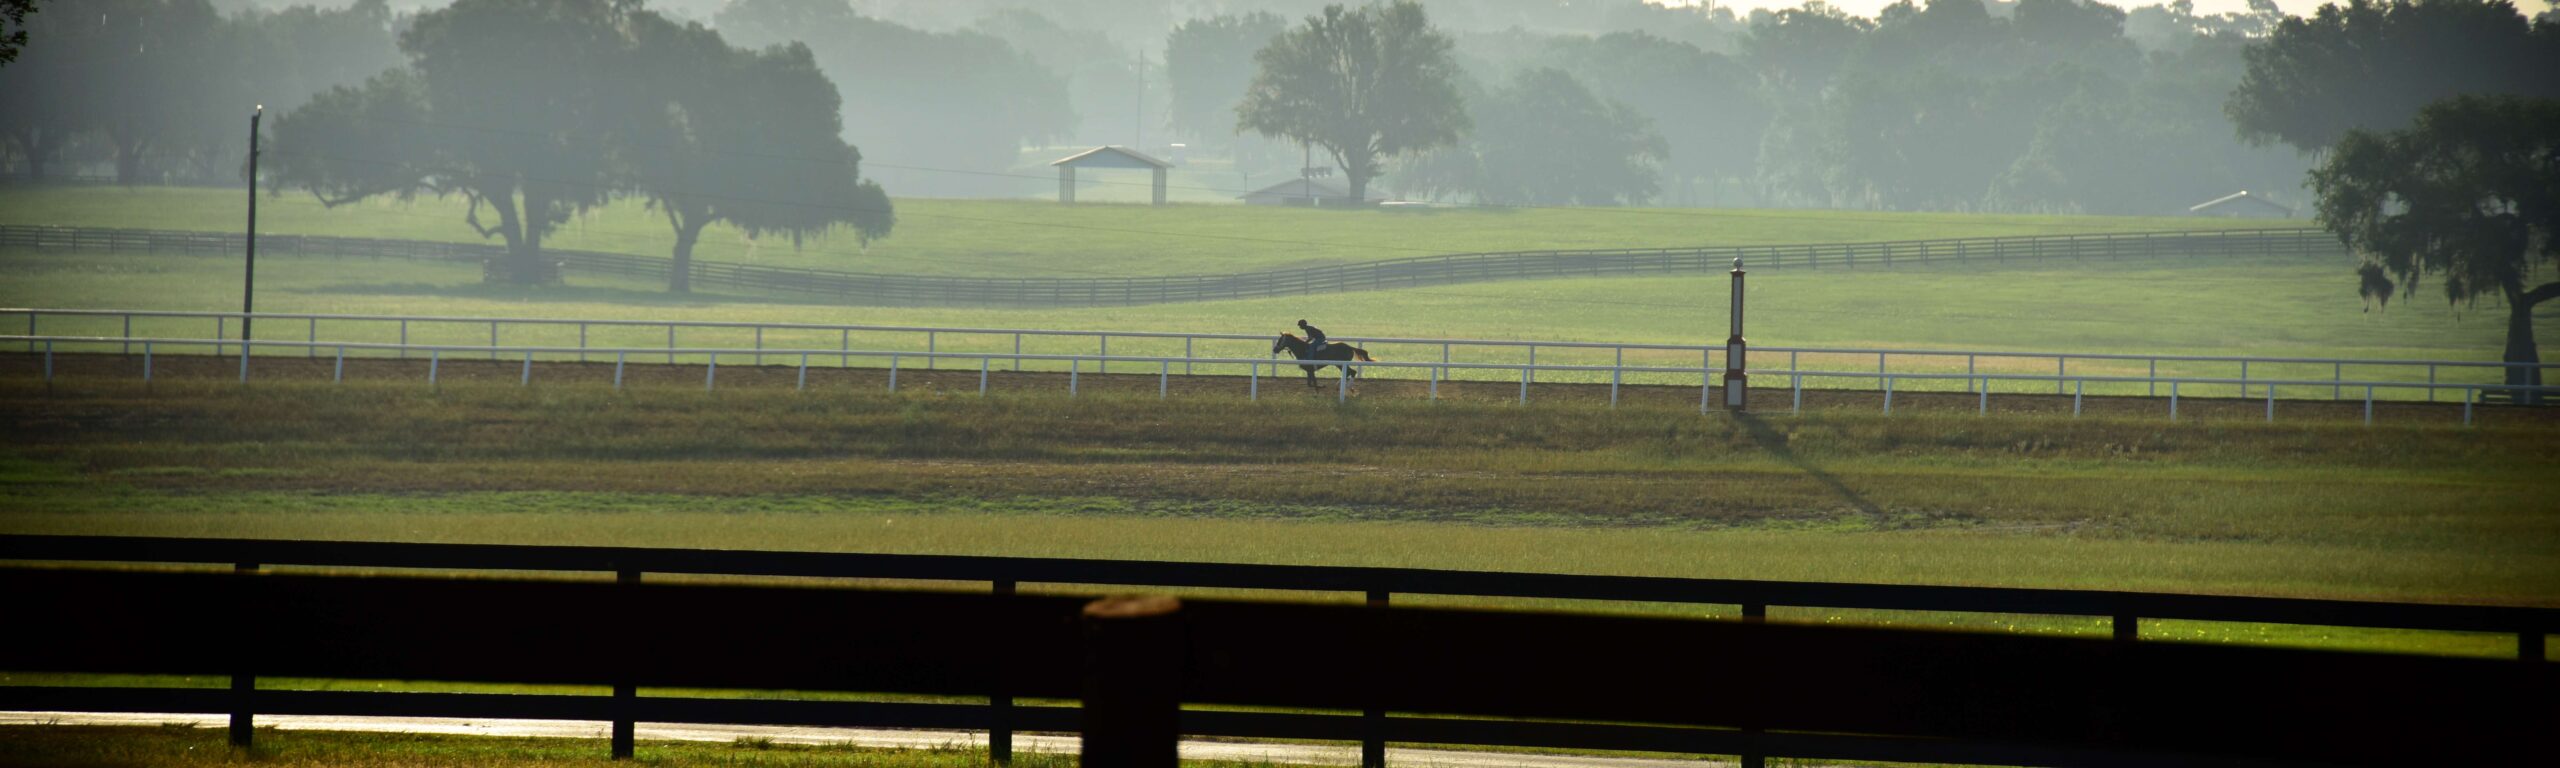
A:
1014, 238
2331, 510
2266, 307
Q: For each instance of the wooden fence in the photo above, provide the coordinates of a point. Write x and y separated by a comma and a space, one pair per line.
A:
884, 289
1453, 677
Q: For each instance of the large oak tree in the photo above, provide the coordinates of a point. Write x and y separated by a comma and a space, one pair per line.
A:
749, 138
1366, 85
2469, 194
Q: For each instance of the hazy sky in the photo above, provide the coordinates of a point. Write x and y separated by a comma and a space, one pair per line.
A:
1868, 8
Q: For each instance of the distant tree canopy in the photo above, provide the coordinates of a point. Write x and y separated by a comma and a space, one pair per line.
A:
2469, 193
1366, 85
1209, 63
948, 111
2372, 65
13, 28
1706, 106
1544, 139
535, 110
162, 89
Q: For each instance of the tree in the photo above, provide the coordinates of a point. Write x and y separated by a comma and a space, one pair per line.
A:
1546, 140
1705, 105
1365, 85
517, 106
2371, 65
942, 112
2469, 193
1209, 63
748, 138
13, 27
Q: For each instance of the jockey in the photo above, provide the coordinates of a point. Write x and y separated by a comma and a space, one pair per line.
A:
1315, 337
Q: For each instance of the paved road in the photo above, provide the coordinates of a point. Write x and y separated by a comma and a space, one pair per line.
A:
1297, 754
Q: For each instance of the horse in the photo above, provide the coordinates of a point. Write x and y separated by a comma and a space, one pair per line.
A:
1335, 351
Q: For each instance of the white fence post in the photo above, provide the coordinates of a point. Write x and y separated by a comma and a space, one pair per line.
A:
617, 369
1253, 389
711, 373
1342, 384
404, 339
1888, 393
435, 360
893, 373
1075, 368
2173, 400
982, 375
2368, 405
1982, 406
804, 371
2079, 387
1524, 384
146, 371
527, 379
2271, 403
1164, 378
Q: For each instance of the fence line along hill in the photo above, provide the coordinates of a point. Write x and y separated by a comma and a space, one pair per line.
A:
916, 290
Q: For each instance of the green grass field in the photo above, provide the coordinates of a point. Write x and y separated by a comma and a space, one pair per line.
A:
1028, 238
2333, 510
2261, 307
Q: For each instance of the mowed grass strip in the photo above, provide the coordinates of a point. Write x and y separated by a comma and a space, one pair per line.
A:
2329, 510
90, 746
1016, 238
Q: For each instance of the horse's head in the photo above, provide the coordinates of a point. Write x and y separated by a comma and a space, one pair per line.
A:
1282, 342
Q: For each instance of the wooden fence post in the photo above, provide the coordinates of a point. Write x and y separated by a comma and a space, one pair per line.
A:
1132, 682
244, 688
624, 695
1000, 702
1373, 719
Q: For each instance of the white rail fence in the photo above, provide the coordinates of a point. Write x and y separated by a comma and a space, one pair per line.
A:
1251, 369
674, 341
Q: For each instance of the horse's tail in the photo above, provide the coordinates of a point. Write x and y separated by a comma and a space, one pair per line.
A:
1363, 355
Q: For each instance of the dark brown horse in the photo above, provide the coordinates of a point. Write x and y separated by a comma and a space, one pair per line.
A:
1335, 351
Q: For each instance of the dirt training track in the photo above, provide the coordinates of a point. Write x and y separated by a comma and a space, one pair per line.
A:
1288, 387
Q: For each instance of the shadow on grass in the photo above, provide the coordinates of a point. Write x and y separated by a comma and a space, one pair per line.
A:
1771, 441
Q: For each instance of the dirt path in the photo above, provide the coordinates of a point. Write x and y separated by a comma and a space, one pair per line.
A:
1292, 754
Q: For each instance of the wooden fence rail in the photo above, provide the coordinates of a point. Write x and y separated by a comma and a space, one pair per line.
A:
887, 289
2125, 610
1474, 677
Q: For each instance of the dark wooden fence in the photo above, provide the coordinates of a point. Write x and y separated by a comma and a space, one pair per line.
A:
884, 289
1613, 683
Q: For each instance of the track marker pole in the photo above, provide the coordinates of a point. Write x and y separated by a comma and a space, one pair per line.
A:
711, 373
1888, 396
617, 369
804, 371
893, 373
435, 359
983, 364
527, 379
340, 375
146, 378
1799, 387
